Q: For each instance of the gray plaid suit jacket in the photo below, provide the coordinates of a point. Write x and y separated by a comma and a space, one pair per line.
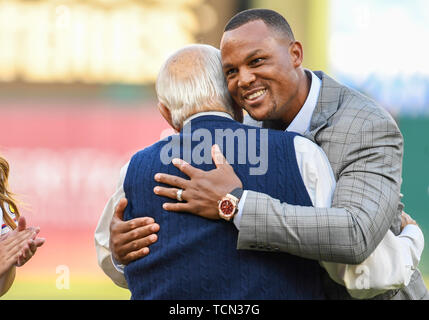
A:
365, 149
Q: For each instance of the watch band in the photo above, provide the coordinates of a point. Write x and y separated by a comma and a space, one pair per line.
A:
237, 192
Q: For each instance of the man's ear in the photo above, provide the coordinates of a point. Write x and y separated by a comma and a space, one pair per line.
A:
238, 111
297, 53
165, 112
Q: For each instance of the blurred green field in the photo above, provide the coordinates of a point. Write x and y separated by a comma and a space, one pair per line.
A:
80, 289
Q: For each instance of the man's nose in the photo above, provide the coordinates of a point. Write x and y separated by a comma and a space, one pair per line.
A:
246, 77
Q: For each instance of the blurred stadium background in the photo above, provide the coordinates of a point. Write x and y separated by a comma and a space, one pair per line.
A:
77, 100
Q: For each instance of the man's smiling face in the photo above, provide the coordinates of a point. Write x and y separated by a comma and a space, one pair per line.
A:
260, 66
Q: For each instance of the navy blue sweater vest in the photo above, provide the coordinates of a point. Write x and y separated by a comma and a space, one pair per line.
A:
196, 258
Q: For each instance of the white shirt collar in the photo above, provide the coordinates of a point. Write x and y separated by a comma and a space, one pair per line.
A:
208, 113
301, 122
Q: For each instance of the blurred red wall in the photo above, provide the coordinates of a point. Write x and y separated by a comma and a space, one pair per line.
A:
65, 164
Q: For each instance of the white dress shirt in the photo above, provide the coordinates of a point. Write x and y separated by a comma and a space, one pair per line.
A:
301, 124
390, 266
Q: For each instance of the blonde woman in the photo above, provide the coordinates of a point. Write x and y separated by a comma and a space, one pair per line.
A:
17, 242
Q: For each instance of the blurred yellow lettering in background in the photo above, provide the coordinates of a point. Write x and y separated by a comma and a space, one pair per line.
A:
98, 41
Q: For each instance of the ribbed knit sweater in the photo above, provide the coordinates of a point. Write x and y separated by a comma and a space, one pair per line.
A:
196, 258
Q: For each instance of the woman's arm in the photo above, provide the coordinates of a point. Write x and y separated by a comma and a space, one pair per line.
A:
6, 280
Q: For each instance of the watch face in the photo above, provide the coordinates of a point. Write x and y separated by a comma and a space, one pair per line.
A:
227, 207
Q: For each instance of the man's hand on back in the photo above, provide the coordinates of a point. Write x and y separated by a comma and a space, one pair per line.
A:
203, 190
406, 220
130, 240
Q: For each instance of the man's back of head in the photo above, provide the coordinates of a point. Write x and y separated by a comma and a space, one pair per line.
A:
192, 81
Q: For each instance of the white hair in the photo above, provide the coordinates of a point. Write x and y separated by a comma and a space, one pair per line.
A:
192, 81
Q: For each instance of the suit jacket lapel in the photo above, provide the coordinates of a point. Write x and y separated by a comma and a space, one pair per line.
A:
327, 104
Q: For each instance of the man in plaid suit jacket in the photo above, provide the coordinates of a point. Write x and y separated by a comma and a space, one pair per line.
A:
364, 147
361, 140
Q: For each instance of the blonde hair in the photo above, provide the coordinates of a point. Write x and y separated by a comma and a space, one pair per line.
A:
192, 81
6, 196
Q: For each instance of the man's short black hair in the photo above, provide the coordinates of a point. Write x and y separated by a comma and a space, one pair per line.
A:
269, 17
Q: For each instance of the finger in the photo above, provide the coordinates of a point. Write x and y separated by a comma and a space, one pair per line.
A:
140, 233
25, 251
20, 260
171, 180
22, 224
139, 244
19, 239
26, 255
39, 241
136, 255
120, 208
15, 250
218, 157
167, 192
185, 167
33, 246
118, 242
35, 231
408, 217
120, 229
178, 207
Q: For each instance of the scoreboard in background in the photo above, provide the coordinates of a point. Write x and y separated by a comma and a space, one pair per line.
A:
96, 41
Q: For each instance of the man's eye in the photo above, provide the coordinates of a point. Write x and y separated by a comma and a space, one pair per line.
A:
230, 72
256, 61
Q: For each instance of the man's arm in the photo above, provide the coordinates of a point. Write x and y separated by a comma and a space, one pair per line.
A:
365, 201
389, 267
119, 242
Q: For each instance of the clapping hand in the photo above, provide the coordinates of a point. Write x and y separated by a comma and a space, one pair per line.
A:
29, 249
18, 246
